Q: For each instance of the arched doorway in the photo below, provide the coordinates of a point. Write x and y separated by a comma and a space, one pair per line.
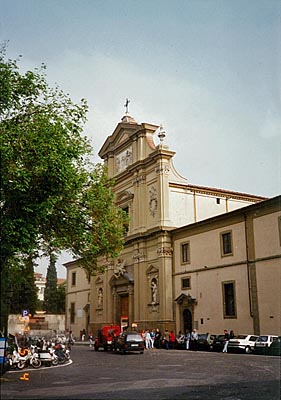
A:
187, 319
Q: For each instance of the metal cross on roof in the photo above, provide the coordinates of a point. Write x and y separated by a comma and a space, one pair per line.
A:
126, 105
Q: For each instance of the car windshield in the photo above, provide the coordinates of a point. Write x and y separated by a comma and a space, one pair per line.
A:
134, 337
202, 335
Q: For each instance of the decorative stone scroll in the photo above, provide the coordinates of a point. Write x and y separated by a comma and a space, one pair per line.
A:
139, 257
164, 251
163, 169
153, 202
139, 179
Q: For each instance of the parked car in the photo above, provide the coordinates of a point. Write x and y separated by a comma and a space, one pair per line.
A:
129, 342
205, 341
105, 337
275, 348
264, 343
244, 343
218, 343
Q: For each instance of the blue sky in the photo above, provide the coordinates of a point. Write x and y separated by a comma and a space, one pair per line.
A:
208, 70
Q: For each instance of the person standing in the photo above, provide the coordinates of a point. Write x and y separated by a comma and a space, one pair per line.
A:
172, 339
226, 341
148, 341
187, 339
194, 338
166, 339
157, 339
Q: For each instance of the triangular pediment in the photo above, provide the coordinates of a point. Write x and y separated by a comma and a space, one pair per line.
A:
185, 299
152, 270
99, 281
119, 139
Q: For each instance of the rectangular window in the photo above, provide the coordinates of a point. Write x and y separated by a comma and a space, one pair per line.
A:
218, 200
72, 313
185, 253
229, 300
226, 243
126, 225
73, 279
185, 283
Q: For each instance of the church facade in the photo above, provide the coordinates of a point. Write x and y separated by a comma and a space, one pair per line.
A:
153, 282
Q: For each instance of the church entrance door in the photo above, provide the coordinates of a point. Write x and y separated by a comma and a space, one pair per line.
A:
187, 319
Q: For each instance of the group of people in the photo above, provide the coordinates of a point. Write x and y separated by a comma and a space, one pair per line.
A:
154, 339
227, 337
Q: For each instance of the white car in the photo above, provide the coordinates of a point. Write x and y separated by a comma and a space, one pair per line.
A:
244, 343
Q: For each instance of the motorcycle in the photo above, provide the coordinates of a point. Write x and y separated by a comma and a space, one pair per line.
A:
24, 357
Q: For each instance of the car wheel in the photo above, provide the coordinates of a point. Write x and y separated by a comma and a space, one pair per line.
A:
248, 349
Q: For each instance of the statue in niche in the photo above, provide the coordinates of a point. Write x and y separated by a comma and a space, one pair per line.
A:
100, 298
154, 290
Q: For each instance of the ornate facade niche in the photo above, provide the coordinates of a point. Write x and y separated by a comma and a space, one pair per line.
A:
139, 257
164, 251
99, 291
153, 288
153, 202
124, 159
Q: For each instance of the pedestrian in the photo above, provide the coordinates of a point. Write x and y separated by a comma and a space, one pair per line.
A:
166, 339
226, 341
187, 339
194, 338
91, 338
148, 341
157, 339
152, 335
172, 339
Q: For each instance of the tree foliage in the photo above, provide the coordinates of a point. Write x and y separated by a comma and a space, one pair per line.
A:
51, 290
51, 193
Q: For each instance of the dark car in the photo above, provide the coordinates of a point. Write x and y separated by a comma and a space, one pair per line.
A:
264, 342
275, 348
218, 343
129, 342
205, 341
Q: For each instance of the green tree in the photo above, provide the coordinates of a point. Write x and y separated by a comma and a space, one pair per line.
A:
18, 289
51, 193
51, 290
61, 298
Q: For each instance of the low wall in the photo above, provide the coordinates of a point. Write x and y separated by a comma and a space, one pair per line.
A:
38, 325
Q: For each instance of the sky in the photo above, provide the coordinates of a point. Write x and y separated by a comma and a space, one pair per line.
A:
207, 70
